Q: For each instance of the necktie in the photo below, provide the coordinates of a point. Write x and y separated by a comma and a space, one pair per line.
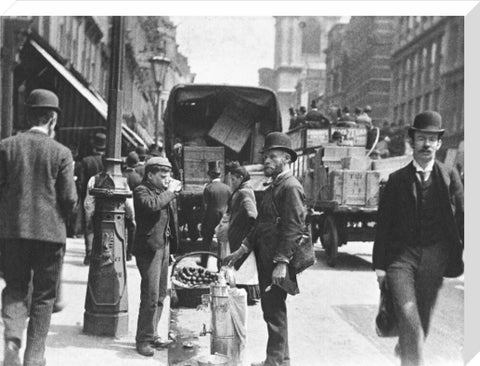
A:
422, 176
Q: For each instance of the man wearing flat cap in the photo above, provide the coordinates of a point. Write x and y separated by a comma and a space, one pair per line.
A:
37, 193
279, 227
419, 237
156, 227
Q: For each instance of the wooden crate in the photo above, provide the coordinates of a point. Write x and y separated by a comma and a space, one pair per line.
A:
356, 163
195, 163
355, 187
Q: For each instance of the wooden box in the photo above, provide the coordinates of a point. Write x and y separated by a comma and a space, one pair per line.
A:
391, 164
355, 188
356, 163
195, 163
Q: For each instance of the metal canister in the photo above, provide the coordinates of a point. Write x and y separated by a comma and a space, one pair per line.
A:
224, 339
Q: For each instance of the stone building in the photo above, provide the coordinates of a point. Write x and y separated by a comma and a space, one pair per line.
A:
298, 75
428, 71
70, 55
358, 65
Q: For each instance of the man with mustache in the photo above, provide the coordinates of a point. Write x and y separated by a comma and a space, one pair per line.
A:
419, 236
279, 227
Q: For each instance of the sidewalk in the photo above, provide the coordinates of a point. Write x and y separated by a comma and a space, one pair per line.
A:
66, 343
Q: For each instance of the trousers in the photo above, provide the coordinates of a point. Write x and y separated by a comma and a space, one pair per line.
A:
38, 262
414, 280
153, 269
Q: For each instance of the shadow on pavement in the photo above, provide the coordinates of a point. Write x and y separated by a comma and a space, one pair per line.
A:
345, 262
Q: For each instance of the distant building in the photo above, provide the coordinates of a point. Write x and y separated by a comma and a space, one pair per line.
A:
358, 65
299, 64
428, 71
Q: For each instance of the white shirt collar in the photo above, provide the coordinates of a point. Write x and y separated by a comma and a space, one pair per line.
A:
428, 168
216, 180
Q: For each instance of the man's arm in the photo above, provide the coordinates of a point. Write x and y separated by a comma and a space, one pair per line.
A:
66, 189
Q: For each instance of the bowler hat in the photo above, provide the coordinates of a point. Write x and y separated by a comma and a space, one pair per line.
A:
42, 98
281, 141
158, 160
214, 167
100, 141
132, 159
141, 151
427, 121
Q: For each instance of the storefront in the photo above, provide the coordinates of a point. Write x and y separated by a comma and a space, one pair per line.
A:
84, 112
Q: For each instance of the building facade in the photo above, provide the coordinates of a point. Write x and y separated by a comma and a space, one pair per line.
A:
298, 75
70, 55
358, 65
428, 71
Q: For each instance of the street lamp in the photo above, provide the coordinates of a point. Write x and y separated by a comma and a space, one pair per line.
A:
159, 66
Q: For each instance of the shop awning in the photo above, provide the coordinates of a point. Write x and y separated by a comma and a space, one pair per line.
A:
94, 99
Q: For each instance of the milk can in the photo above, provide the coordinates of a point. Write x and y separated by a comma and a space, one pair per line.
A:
228, 321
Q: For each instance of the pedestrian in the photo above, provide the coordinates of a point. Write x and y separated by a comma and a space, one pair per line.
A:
243, 213
215, 199
279, 227
156, 231
37, 194
133, 177
419, 237
90, 166
362, 118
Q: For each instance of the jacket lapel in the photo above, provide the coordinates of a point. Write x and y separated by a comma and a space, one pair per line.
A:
409, 179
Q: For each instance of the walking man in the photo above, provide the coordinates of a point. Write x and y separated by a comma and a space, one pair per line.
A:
419, 236
37, 193
279, 227
155, 231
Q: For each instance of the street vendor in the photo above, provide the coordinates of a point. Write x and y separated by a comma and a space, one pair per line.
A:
280, 225
155, 232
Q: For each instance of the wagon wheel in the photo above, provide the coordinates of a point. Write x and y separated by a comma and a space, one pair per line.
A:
330, 239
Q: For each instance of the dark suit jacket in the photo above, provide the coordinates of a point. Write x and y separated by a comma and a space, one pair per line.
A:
153, 210
397, 216
89, 166
37, 189
215, 197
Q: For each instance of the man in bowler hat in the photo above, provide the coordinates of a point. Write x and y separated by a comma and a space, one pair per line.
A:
156, 230
215, 199
37, 193
280, 226
419, 237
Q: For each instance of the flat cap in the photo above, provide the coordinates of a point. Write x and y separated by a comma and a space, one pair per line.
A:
158, 160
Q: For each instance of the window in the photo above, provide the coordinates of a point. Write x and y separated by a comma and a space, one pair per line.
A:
418, 105
436, 99
426, 101
311, 31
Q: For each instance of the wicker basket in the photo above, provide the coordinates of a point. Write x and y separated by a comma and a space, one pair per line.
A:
189, 297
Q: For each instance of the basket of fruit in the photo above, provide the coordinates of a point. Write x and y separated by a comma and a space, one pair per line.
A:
190, 280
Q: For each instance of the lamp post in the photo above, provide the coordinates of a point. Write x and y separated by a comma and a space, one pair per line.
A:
106, 303
159, 66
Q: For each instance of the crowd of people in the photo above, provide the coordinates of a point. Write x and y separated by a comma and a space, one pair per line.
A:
419, 233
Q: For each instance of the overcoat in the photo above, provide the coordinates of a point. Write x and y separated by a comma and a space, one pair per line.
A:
243, 212
279, 228
153, 213
37, 188
397, 216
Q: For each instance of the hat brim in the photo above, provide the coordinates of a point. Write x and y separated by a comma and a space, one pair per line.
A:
55, 108
411, 130
292, 153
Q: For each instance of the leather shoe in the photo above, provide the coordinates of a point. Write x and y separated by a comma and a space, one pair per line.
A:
11, 357
158, 342
145, 349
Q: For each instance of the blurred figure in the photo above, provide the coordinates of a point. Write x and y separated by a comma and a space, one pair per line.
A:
142, 156
133, 178
33, 230
90, 166
316, 119
362, 118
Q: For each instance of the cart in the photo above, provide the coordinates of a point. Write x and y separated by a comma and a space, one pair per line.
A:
338, 224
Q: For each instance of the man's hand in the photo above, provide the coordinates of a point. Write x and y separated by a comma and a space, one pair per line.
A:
279, 273
231, 259
380, 277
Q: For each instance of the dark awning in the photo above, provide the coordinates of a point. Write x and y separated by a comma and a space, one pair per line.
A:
84, 111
